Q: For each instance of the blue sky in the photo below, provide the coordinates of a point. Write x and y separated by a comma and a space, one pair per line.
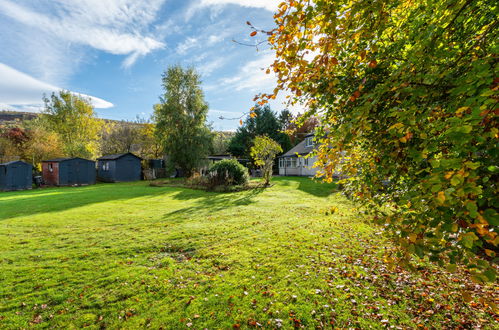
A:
115, 51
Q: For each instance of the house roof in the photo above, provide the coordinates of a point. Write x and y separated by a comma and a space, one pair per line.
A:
300, 149
117, 156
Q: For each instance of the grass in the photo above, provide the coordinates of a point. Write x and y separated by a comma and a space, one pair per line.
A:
130, 255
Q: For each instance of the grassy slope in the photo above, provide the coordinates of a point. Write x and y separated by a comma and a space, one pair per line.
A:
129, 255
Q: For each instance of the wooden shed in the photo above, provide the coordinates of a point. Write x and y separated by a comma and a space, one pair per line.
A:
16, 175
119, 168
68, 171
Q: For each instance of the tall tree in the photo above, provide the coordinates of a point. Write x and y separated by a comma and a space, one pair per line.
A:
73, 118
181, 119
408, 90
263, 121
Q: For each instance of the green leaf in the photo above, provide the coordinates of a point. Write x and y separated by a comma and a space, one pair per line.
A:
490, 274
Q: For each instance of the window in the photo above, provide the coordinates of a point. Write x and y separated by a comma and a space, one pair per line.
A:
291, 162
309, 142
105, 166
281, 162
51, 167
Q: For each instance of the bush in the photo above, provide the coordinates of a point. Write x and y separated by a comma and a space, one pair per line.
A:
227, 172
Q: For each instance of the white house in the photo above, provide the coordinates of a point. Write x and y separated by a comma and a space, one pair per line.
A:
294, 162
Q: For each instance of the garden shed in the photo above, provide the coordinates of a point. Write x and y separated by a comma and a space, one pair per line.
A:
16, 175
119, 168
68, 171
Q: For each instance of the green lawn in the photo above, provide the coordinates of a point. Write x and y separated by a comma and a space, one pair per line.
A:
129, 255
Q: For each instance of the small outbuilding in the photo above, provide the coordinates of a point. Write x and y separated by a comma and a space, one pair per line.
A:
119, 168
68, 171
16, 175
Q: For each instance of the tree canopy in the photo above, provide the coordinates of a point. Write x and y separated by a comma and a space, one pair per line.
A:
181, 119
263, 152
73, 118
408, 91
262, 121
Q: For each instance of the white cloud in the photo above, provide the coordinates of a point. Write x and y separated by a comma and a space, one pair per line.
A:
207, 68
115, 26
252, 76
270, 5
19, 90
187, 45
197, 5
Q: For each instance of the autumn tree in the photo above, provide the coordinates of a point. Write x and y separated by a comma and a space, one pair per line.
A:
181, 119
408, 90
263, 152
300, 126
73, 118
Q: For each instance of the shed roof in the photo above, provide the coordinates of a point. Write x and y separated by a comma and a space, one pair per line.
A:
14, 162
117, 156
59, 160
55, 160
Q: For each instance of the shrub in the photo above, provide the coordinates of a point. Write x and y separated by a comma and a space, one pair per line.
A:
227, 172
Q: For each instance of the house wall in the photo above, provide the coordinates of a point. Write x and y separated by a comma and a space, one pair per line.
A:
300, 169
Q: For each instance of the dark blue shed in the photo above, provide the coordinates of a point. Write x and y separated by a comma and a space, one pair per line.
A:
16, 175
119, 168
68, 171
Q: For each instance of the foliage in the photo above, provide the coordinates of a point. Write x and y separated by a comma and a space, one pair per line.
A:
300, 126
31, 142
150, 146
227, 172
263, 152
408, 90
221, 142
263, 121
42, 144
175, 257
181, 119
120, 137
73, 118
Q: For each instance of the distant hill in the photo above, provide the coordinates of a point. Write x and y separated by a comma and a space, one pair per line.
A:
16, 116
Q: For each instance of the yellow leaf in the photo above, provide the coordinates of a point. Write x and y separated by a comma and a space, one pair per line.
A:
440, 197
413, 237
241, 122
490, 253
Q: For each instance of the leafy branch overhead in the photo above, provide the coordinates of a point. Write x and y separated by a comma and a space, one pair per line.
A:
408, 91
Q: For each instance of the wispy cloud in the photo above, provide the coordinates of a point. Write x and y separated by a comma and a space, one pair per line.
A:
252, 75
118, 27
270, 5
19, 90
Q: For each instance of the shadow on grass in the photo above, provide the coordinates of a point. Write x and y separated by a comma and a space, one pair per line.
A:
308, 185
212, 202
25, 203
